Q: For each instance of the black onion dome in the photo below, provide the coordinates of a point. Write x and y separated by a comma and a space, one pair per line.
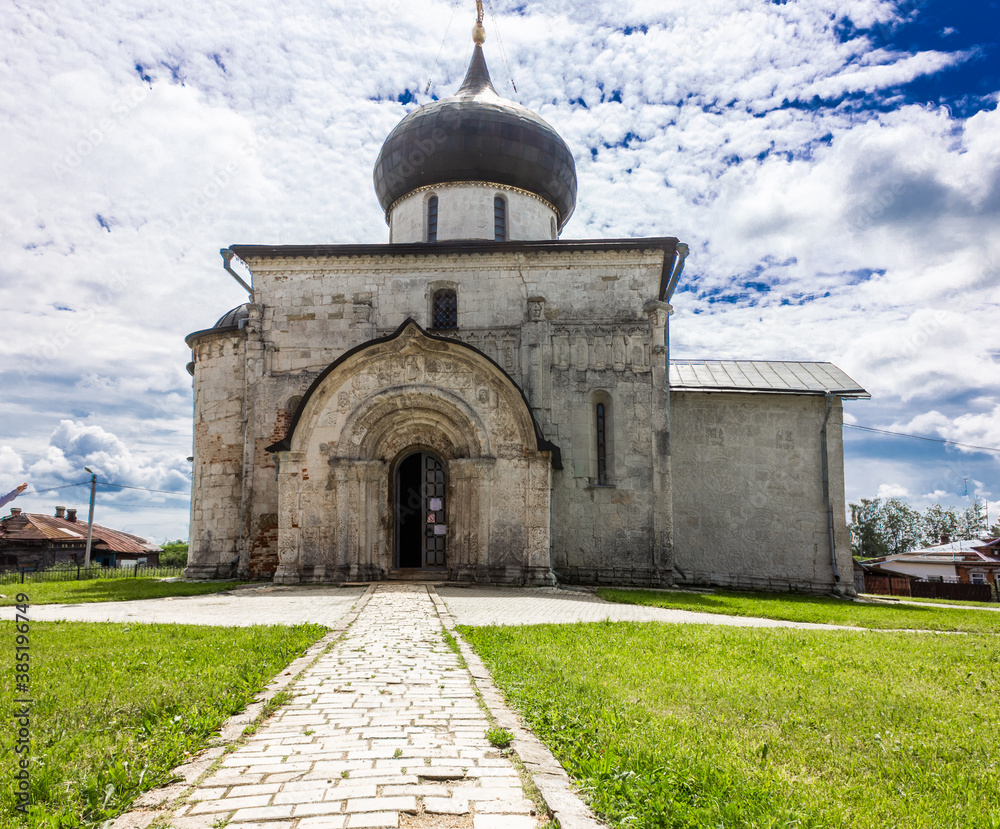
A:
475, 135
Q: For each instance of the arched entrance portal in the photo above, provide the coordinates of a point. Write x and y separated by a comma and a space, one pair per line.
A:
419, 510
414, 452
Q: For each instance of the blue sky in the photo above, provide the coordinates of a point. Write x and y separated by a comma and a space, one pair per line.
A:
834, 166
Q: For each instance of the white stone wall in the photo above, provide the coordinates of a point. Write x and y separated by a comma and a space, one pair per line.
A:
560, 324
738, 500
313, 310
219, 359
748, 491
465, 211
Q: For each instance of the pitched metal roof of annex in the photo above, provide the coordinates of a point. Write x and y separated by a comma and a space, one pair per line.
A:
763, 377
27, 526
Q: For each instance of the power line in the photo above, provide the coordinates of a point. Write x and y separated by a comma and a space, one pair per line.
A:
444, 40
142, 488
503, 52
922, 437
36, 490
105, 483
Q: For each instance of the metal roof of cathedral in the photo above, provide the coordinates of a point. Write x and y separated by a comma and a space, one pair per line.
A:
763, 376
477, 135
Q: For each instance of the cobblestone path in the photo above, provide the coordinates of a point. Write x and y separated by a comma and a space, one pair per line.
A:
384, 730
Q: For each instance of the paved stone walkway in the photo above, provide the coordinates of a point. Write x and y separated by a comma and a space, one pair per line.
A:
325, 605
539, 606
242, 607
384, 730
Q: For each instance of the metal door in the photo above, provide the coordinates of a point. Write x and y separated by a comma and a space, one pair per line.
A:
435, 529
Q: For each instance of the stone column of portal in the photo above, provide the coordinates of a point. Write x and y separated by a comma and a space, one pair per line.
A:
662, 496
343, 519
289, 481
372, 483
469, 487
538, 564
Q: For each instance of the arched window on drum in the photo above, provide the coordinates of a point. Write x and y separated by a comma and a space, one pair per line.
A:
500, 219
432, 219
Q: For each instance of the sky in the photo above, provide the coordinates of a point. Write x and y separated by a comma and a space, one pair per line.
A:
833, 166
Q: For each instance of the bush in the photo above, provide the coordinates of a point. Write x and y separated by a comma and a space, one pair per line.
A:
175, 554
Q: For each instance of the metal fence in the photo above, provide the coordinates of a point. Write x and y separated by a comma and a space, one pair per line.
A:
78, 573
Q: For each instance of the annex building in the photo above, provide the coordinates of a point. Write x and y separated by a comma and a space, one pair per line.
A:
482, 399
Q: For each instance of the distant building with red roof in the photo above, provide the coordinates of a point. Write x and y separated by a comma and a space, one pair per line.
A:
970, 561
39, 541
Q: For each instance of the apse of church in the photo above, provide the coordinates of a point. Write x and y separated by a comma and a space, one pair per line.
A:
483, 400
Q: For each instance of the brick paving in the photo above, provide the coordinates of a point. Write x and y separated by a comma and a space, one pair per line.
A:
384, 730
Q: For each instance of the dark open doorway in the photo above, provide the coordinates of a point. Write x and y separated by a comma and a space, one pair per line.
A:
420, 511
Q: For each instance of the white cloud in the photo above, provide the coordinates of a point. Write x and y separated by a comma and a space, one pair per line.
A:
892, 491
937, 496
972, 429
11, 467
75, 446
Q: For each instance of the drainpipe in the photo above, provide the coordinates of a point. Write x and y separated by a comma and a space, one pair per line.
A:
826, 486
227, 258
552, 517
680, 257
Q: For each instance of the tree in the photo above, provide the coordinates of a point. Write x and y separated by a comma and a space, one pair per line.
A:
175, 554
882, 528
889, 527
972, 521
938, 522
866, 538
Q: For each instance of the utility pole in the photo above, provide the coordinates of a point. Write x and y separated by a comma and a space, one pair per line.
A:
90, 521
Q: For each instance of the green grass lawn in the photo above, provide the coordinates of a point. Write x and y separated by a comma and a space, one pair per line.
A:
692, 726
818, 609
107, 590
977, 605
117, 706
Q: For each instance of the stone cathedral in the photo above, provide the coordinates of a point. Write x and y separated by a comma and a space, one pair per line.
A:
483, 400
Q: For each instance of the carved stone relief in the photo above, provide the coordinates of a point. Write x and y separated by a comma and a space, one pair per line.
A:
583, 347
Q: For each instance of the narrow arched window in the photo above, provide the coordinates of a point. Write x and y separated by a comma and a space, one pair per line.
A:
500, 218
602, 446
432, 219
444, 309
555, 232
